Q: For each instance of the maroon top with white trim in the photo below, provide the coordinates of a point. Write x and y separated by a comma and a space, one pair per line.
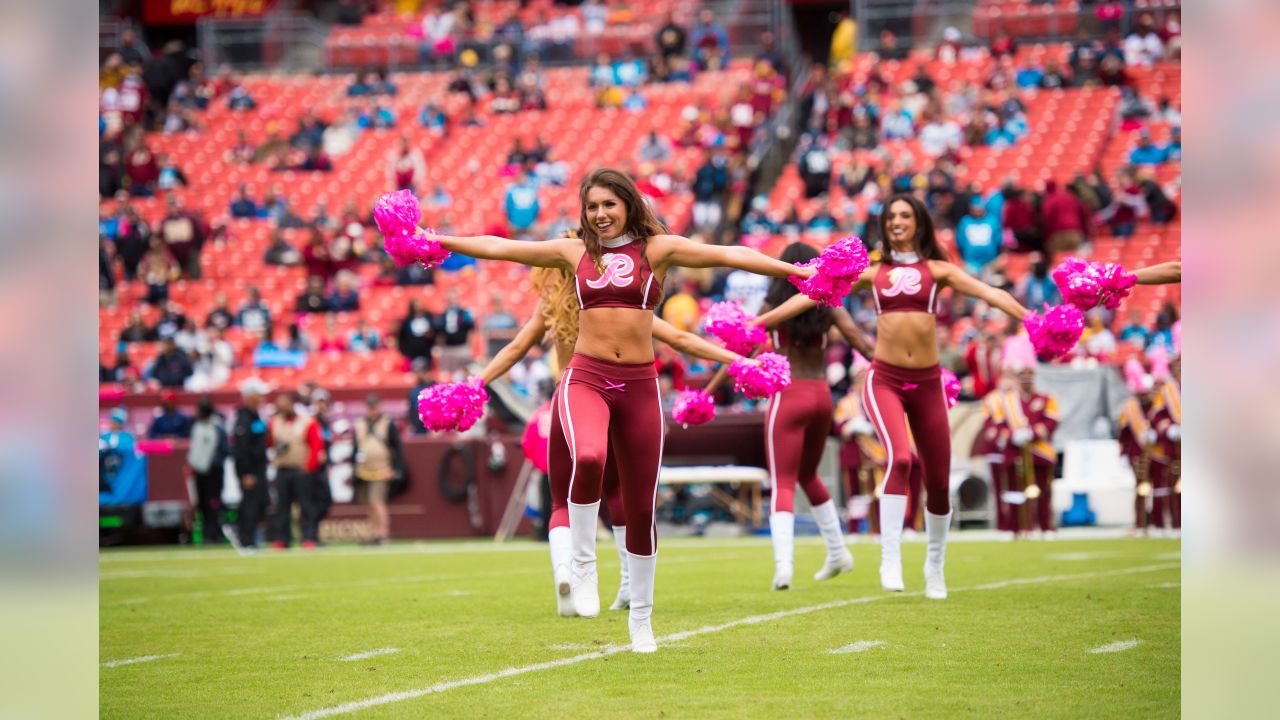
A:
905, 288
627, 280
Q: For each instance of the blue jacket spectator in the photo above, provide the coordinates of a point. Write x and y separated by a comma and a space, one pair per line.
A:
169, 423
708, 36
978, 237
376, 116
1173, 151
521, 203
1147, 153
242, 206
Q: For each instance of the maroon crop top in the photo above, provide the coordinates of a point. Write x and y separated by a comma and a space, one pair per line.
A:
627, 280
905, 288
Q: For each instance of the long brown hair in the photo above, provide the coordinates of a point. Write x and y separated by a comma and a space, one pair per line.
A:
925, 241
641, 222
809, 326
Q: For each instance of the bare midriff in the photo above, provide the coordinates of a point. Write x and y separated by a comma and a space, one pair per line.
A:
907, 339
616, 334
807, 363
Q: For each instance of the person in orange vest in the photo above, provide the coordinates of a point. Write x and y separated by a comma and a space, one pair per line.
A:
1133, 430
1032, 435
1165, 438
297, 453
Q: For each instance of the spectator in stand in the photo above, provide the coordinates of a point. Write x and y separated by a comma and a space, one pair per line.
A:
157, 269
1111, 72
254, 316
681, 309
499, 326
170, 175
288, 218
1037, 288
1147, 153
595, 16
1127, 208
671, 39
421, 367
823, 223
299, 342
1003, 44
220, 316
432, 118
1020, 218
346, 295
363, 339
184, 235
280, 251
897, 123
376, 116
815, 168
406, 167
417, 334
978, 238
709, 185
455, 325
948, 50
549, 171
242, 206
171, 367
1162, 334
1144, 47
1099, 342
169, 422
653, 148
141, 172
315, 257
1173, 151
1054, 76
136, 329
332, 340
239, 98
1162, 209
214, 360
710, 41
171, 321
1065, 219
521, 205
1135, 332
313, 300
939, 136
629, 70
890, 47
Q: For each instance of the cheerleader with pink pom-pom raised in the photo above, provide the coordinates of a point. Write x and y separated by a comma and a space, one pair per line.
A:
905, 383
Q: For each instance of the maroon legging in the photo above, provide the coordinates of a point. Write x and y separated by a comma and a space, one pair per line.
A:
796, 430
898, 396
559, 466
611, 410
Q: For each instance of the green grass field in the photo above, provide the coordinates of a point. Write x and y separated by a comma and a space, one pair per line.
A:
469, 630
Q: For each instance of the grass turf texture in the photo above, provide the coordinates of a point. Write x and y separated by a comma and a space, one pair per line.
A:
263, 636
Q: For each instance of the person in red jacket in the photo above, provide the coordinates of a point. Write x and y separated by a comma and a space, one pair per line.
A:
1065, 219
297, 453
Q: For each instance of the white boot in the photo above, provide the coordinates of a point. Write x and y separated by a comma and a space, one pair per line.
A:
936, 526
893, 509
782, 528
638, 622
584, 583
561, 555
623, 600
839, 559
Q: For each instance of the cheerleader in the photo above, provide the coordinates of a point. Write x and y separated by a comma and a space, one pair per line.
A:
904, 385
798, 423
608, 400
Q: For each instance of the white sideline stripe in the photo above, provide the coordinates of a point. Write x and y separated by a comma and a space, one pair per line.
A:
1166, 586
1080, 556
134, 661
860, 646
675, 637
1116, 647
368, 654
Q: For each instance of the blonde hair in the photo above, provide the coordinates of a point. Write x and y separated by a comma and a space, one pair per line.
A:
559, 303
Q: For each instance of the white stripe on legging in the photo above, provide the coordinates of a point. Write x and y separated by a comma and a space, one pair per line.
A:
881, 429
662, 443
566, 423
774, 402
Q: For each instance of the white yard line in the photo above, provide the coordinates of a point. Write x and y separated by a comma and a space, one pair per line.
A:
1116, 647
860, 646
368, 654
675, 637
135, 661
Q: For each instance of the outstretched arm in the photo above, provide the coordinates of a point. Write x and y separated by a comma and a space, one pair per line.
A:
559, 253
965, 283
852, 333
511, 353
674, 250
690, 344
1162, 274
794, 305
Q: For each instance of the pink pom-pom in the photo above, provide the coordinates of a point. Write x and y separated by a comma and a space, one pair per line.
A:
397, 213
766, 375
1056, 332
1089, 284
452, 406
950, 387
694, 407
838, 268
728, 322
